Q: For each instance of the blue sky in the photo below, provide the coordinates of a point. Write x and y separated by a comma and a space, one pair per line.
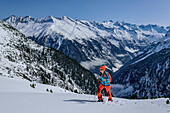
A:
133, 11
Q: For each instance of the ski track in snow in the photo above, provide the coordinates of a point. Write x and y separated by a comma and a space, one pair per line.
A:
16, 96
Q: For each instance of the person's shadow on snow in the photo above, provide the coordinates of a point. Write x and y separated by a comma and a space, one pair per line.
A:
80, 101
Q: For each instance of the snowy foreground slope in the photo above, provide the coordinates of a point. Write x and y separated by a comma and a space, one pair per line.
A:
16, 96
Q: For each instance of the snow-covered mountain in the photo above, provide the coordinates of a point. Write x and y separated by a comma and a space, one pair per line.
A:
90, 43
22, 57
147, 74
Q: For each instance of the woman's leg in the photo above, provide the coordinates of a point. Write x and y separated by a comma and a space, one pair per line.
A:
99, 91
108, 92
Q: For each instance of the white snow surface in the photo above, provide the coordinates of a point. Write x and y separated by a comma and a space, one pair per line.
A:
16, 96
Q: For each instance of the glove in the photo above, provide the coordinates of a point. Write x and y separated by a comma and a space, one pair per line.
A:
99, 80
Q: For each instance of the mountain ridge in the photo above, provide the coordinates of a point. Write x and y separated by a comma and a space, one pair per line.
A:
148, 74
109, 43
22, 57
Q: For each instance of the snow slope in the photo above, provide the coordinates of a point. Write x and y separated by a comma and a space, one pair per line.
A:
20, 85
16, 96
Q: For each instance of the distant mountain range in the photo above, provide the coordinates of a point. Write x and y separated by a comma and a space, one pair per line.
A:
90, 43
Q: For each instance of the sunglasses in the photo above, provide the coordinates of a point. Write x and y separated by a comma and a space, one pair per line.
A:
101, 69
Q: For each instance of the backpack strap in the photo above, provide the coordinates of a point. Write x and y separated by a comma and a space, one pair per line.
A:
109, 77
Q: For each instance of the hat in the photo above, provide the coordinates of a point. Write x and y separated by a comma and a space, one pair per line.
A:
103, 67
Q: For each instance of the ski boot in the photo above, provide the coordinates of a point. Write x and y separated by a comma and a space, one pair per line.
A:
110, 100
100, 100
